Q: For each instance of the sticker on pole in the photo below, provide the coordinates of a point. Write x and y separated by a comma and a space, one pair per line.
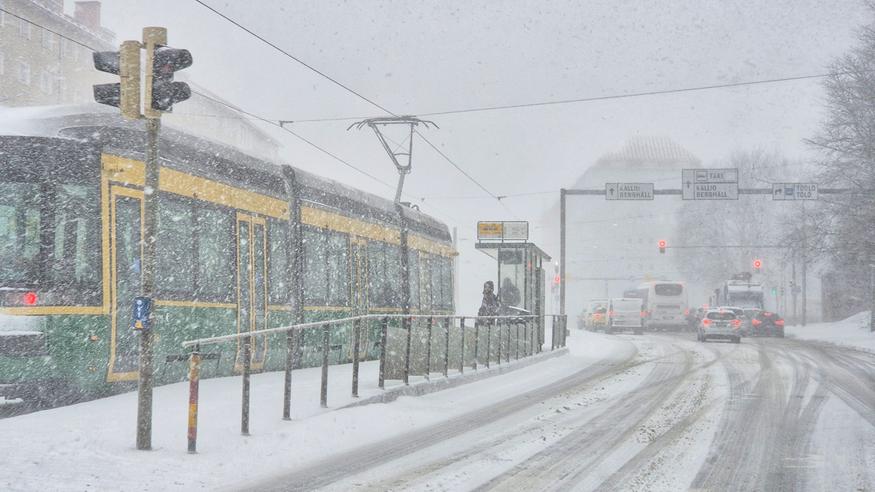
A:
141, 312
628, 191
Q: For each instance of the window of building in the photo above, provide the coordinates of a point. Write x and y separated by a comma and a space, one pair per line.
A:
25, 30
46, 82
24, 72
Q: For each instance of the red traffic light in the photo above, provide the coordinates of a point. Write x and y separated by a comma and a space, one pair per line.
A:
757, 264
661, 244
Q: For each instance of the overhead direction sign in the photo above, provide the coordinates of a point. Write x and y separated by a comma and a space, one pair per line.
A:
628, 191
709, 184
794, 191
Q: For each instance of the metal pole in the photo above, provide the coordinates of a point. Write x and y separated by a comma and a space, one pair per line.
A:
498, 345
428, 349
517, 340
476, 342
488, 342
384, 333
562, 194
804, 266
323, 393
793, 290
447, 347
247, 365
287, 379
356, 341
193, 389
462, 357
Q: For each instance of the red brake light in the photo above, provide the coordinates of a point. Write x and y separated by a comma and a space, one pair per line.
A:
643, 314
756, 322
611, 313
736, 323
706, 322
29, 298
779, 322
687, 312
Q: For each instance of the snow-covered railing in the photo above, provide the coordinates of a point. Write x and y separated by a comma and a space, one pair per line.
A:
506, 327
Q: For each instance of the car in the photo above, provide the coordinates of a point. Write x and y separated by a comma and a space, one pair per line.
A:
625, 313
598, 315
720, 324
746, 323
767, 324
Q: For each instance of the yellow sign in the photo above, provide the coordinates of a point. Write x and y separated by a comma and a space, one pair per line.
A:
489, 230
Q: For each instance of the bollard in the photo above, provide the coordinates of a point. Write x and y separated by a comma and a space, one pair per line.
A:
406, 325
447, 348
384, 333
193, 387
462, 357
428, 350
247, 364
323, 393
287, 382
356, 342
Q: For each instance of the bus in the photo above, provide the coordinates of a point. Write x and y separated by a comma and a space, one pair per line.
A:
664, 303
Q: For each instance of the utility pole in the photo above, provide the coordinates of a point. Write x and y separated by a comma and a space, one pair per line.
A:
872, 295
804, 266
562, 199
794, 290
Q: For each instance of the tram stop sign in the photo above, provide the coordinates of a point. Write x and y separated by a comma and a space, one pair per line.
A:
141, 312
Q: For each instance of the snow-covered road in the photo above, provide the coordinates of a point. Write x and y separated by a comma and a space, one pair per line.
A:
767, 414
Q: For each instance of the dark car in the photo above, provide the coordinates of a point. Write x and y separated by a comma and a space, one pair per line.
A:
767, 324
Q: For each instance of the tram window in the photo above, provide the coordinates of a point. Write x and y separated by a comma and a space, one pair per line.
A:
338, 269
315, 265
76, 225
280, 286
435, 282
413, 268
377, 283
19, 232
175, 247
393, 276
215, 269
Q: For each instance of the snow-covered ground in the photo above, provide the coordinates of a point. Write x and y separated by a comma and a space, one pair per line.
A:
852, 332
90, 446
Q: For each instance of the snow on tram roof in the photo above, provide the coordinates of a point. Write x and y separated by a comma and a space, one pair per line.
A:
69, 121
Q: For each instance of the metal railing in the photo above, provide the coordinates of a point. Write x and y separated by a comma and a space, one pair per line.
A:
524, 330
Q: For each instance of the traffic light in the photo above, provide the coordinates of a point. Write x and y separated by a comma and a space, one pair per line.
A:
163, 92
661, 244
757, 265
125, 63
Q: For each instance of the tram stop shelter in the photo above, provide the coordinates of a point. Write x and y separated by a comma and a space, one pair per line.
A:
521, 279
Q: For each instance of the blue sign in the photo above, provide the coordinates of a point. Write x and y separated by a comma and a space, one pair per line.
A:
141, 313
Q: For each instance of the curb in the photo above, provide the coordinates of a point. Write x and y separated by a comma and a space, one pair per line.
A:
435, 385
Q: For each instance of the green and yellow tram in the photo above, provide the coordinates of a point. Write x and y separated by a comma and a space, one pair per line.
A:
242, 244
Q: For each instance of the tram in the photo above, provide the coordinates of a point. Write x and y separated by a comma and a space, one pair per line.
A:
242, 244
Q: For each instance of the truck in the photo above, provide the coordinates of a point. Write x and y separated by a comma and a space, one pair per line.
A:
741, 291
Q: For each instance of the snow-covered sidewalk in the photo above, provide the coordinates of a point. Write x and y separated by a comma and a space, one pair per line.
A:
90, 446
851, 332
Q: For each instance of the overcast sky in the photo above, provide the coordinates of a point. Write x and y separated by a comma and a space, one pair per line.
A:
415, 57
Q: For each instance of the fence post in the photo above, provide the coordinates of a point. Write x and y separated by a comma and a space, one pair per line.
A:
287, 382
428, 349
476, 343
247, 365
552, 332
517, 339
498, 349
193, 387
462, 358
323, 394
488, 341
447, 348
406, 325
356, 342
384, 333
507, 346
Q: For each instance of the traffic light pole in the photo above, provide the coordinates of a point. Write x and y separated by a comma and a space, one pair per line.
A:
562, 194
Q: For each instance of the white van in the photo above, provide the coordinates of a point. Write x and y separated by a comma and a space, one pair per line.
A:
625, 313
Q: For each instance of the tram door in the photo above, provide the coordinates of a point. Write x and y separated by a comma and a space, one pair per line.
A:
359, 283
251, 287
126, 230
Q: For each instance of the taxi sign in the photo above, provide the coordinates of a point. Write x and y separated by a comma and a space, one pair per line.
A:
141, 313
709, 184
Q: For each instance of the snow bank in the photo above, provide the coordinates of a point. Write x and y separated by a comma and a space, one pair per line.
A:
852, 332
90, 446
